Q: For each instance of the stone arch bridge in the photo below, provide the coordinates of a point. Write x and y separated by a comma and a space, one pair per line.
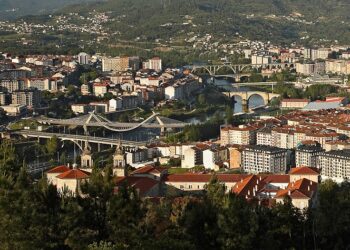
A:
246, 95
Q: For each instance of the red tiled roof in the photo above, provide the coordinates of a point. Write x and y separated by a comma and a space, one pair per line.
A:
302, 188
142, 184
58, 170
248, 187
74, 174
277, 178
304, 170
203, 177
149, 169
295, 100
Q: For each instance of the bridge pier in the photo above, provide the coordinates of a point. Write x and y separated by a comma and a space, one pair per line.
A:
245, 106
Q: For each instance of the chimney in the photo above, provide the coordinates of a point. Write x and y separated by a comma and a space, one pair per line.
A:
289, 192
75, 166
68, 165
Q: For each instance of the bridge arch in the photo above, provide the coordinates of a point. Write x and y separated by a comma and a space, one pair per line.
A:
80, 146
264, 100
246, 95
195, 68
246, 67
227, 66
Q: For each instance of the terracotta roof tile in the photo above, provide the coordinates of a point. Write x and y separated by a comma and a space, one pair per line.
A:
304, 170
142, 184
203, 177
58, 170
74, 174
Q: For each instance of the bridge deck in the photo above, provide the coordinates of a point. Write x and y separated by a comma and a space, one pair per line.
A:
91, 139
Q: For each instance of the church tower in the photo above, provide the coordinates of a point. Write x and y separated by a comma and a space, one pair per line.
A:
119, 163
86, 158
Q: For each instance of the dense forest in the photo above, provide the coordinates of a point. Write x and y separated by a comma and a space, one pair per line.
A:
34, 215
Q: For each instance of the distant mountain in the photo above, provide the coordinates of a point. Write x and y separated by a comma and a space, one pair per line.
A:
10, 9
275, 20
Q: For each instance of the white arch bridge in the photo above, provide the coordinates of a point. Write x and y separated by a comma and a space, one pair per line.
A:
95, 120
238, 69
81, 141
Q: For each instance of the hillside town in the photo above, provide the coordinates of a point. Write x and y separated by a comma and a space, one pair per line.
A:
266, 158
192, 125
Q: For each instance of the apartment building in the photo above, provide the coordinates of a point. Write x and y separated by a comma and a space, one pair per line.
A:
264, 159
213, 156
335, 164
242, 135
154, 63
40, 83
29, 97
338, 66
308, 155
264, 136
116, 64
13, 85
192, 155
181, 89
283, 138
322, 137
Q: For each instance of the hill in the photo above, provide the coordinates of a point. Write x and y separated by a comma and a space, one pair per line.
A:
275, 20
10, 9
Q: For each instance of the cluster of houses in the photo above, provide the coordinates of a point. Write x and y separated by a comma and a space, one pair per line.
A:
150, 181
317, 139
125, 83
130, 90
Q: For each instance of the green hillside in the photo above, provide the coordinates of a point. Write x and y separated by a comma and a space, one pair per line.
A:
275, 20
10, 9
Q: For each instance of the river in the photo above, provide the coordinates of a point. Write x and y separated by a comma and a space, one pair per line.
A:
254, 101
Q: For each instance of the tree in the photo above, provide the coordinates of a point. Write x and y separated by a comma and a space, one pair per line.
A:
201, 99
215, 192
229, 114
9, 164
52, 146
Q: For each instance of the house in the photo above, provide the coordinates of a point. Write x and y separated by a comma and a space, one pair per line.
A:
294, 103
150, 171
197, 182
146, 181
115, 104
80, 108
53, 173
145, 187
308, 173
302, 193
100, 89
193, 156
71, 180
